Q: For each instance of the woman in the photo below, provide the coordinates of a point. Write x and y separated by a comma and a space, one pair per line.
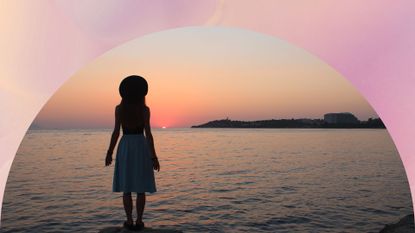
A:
136, 156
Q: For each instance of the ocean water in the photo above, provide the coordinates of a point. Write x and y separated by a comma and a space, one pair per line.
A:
214, 180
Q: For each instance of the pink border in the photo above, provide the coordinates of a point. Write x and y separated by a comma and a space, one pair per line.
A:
371, 43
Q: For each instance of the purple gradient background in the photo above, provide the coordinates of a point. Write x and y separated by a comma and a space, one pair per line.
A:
371, 43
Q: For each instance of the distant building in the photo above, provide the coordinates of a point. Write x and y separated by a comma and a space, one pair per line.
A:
340, 118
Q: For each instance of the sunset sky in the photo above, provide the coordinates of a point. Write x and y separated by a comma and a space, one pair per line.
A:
198, 74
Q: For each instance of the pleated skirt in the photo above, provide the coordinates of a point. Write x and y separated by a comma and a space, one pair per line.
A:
133, 170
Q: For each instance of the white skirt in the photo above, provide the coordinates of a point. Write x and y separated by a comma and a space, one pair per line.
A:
133, 170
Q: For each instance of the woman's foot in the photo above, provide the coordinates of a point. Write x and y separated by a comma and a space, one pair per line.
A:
129, 225
139, 225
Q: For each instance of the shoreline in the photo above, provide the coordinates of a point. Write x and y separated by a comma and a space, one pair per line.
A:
294, 123
404, 225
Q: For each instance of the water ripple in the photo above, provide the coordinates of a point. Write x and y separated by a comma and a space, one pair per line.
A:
214, 180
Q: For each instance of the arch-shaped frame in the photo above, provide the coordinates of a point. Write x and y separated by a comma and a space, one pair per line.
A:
370, 43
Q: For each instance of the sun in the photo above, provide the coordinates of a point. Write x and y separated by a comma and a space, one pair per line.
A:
163, 127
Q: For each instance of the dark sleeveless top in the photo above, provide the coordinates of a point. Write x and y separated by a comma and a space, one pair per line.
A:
138, 130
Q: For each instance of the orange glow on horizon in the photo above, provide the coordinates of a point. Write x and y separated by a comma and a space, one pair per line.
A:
200, 74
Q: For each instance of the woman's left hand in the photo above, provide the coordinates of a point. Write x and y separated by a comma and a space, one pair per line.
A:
108, 159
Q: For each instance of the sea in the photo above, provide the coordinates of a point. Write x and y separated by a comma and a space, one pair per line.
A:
213, 180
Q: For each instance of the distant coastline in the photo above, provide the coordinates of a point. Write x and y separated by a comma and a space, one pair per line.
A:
348, 122
330, 120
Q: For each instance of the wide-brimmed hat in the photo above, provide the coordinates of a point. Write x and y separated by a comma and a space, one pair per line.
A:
133, 87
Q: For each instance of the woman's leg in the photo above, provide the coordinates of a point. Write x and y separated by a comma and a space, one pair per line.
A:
128, 207
141, 202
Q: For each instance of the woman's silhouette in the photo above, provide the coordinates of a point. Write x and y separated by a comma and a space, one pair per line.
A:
136, 156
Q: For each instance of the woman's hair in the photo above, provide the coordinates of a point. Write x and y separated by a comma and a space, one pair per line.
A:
133, 89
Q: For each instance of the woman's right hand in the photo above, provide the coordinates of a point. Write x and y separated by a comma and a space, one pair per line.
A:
156, 164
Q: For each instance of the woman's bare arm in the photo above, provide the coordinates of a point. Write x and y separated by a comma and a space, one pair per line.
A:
114, 137
149, 137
